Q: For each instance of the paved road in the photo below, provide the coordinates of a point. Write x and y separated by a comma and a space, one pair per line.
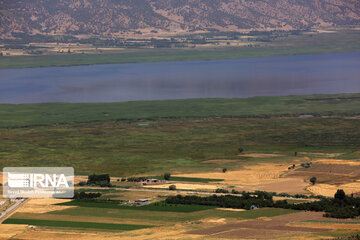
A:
11, 210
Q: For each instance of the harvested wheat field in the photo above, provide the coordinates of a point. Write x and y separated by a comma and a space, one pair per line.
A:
232, 209
329, 190
215, 220
9, 231
335, 174
177, 231
43, 233
321, 225
288, 185
260, 155
339, 161
187, 186
43, 205
78, 179
265, 228
316, 154
265, 177
251, 175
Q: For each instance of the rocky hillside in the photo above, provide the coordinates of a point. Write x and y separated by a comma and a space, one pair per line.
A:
116, 17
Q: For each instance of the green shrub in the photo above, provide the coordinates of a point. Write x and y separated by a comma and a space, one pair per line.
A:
167, 176
82, 183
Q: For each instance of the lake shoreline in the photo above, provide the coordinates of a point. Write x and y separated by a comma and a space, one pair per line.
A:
230, 78
179, 55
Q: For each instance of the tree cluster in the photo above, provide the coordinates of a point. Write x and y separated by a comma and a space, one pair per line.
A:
228, 201
136, 179
86, 196
102, 180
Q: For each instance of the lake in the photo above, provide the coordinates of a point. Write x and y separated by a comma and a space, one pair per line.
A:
267, 76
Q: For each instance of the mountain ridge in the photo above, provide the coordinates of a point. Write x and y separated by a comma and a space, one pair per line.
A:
119, 17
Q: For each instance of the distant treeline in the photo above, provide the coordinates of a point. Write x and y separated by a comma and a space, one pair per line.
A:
178, 42
244, 193
341, 206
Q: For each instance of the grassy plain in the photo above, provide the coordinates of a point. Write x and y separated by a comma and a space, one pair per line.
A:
311, 43
23, 115
122, 148
175, 139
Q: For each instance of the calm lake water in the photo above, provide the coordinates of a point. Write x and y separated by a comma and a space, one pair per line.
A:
268, 76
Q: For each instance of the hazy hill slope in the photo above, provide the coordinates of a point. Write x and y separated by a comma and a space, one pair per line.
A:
114, 17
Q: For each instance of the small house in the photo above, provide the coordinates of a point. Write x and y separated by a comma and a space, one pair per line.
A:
141, 202
152, 182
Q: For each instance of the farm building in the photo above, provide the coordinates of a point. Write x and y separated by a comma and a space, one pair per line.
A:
141, 202
152, 182
253, 207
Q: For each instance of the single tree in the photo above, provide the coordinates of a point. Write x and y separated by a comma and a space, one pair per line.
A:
172, 187
313, 180
240, 149
167, 176
224, 170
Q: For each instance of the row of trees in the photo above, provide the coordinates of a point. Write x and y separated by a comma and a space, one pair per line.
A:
272, 194
227, 201
341, 206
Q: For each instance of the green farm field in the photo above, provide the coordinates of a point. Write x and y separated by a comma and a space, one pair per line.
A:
76, 225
